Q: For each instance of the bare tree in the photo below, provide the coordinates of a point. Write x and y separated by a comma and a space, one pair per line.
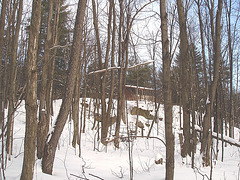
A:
13, 73
43, 123
230, 56
206, 138
51, 65
51, 144
2, 25
31, 94
167, 94
184, 65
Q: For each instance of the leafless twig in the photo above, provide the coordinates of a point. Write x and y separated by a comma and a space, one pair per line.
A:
78, 176
95, 176
120, 174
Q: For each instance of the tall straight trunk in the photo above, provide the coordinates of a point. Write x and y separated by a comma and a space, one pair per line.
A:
104, 126
120, 76
31, 94
167, 94
206, 139
51, 68
43, 123
12, 77
112, 5
75, 109
51, 144
230, 54
210, 39
202, 45
110, 16
2, 25
84, 98
186, 149
194, 83
125, 58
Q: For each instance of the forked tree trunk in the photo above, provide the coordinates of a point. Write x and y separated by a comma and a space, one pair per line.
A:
51, 144
206, 139
75, 109
31, 94
112, 6
167, 94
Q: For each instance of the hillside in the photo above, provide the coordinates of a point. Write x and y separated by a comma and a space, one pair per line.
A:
109, 163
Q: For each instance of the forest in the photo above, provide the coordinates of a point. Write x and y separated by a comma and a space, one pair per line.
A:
137, 78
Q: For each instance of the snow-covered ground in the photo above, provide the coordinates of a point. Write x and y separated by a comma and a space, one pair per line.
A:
109, 163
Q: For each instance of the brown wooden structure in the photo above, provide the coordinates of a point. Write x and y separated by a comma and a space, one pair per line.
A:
144, 93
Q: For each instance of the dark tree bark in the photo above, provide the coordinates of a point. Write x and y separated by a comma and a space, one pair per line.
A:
230, 54
206, 139
51, 68
12, 75
104, 122
31, 94
120, 76
2, 25
43, 123
167, 94
198, 2
51, 144
112, 6
186, 148
75, 109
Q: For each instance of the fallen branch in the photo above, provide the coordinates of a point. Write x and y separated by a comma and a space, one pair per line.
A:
112, 68
103, 70
196, 170
95, 176
78, 177
141, 64
226, 139
59, 46
123, 138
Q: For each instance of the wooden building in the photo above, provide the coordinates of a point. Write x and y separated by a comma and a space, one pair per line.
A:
144, 93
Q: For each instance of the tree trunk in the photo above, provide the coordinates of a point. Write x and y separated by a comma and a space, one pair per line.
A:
51, 144
206, 143
51, 68
186, 149
167, 94
120, 76
43, 123
12, 77
202, 46
31, 94
75, 109
230, 54
2, 25
112, 5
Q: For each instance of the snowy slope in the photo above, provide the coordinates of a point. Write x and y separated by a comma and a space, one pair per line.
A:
109, 163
